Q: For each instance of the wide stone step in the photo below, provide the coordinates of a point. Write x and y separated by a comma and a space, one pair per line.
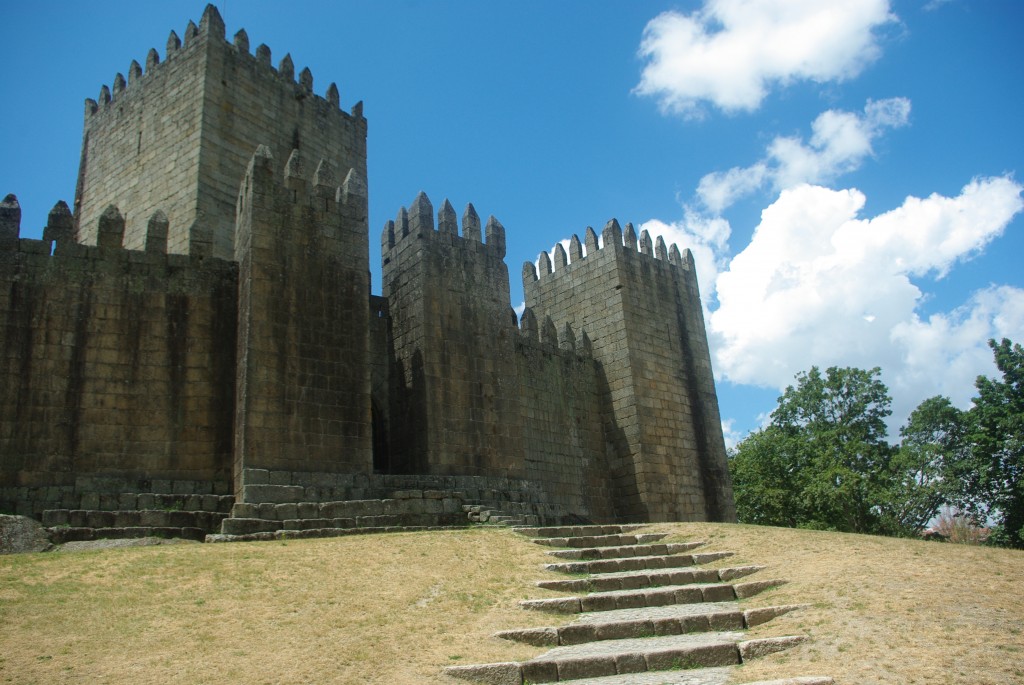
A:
632, 580
626, 657
319, 533
654, 549
272, 511
613, 540
62, 534
577, 531
145, 518
700, 676
657, 621
637, 563
247, 526
634, 599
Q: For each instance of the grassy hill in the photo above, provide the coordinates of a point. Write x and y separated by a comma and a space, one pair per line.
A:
390, 609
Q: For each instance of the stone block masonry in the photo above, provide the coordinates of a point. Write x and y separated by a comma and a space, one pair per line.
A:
200, 332
303, 375
177, 137
113, 361
640, 308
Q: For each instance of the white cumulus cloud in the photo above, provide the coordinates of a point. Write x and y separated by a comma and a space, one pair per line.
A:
707, 239
730, 53
839, 143
819, 285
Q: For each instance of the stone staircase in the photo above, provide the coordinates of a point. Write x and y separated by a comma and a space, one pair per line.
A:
647, 613
285, 515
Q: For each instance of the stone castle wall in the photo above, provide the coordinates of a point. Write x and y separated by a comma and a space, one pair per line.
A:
217, 341
177, 137
114, 361
560, 403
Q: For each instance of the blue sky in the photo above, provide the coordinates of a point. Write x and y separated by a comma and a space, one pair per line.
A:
846, 174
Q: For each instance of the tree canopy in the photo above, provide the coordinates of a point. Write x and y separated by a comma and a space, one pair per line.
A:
824, 459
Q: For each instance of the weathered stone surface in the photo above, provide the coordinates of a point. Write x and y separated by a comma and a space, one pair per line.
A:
490, 674
759, 615
21, 534
752, 649
540, 637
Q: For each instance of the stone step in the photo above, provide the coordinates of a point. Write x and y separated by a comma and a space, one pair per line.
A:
577, 531
632, 623
611, 540
632, 580
637, 563
145, 518
273, 511
320, 533
247, 526
655, 549
62, 534
499, 517
634, 599
700, 676
627, 657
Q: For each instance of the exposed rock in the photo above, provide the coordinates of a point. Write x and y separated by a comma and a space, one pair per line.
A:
22, 534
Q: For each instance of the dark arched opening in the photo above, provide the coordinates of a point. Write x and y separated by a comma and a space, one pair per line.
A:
381, 449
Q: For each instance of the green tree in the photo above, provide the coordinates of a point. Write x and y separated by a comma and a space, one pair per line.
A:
823, 460
768, 472
922, 471
993, 476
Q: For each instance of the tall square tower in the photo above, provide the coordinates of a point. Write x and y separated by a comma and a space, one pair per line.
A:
178, 137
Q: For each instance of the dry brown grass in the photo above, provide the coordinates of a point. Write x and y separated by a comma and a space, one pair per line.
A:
396, 608
883, 610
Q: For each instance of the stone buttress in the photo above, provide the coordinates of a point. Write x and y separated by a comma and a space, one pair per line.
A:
303, 374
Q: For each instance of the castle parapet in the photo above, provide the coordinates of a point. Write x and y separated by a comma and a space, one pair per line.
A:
612, 235
547, 337
58, 240
417, 222
211, 27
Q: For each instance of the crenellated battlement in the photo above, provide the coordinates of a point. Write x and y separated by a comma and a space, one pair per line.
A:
418, 222
547, 337
211, 28
318, 191
562, 262
58, 244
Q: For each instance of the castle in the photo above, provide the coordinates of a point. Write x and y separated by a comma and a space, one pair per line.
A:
195, 347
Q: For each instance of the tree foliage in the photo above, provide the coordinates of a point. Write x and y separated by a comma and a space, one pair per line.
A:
922, 472
992, 475
824, 460
817, 464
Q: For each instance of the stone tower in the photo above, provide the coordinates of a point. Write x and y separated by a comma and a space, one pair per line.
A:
455, 405
640, 307
303, 368
177, 137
